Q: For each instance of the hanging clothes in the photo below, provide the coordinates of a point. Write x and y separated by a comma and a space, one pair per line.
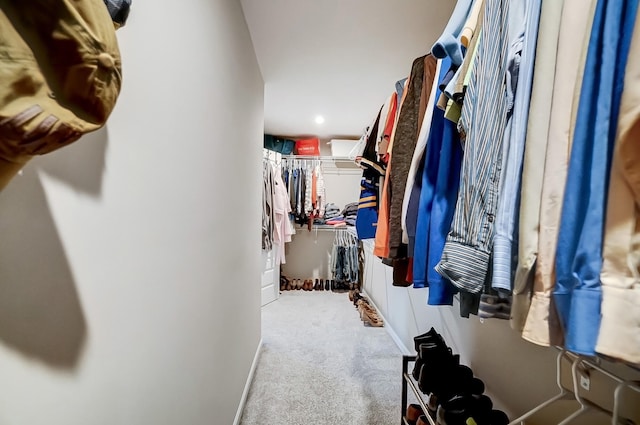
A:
345, 257
381, 247
414, 178
524, 23
306, 188
402, 153
267, 206
542, 326
619, 334
578, 293
367, 215
465, 258
510, 174
423, 192
283, 229
534, 156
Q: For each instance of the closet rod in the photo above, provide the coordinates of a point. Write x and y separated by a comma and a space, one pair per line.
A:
326, 228
318, 158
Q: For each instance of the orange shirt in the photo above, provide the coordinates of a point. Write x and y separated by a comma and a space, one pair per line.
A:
381, 247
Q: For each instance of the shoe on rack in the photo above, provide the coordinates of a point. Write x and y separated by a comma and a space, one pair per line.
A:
476, 387
422, 420
458, 382
427, 351
430, 336
498, 417
327, 285
437, 368
321, 285
414, 411
460, 408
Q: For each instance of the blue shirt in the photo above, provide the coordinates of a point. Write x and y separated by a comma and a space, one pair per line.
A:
578, 292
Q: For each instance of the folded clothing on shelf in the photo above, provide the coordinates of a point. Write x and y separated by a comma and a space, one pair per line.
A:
331, 210
350, 209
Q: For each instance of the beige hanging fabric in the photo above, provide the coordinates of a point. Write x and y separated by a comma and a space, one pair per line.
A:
60, 76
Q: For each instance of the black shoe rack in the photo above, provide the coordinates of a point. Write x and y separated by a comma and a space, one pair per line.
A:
408, 383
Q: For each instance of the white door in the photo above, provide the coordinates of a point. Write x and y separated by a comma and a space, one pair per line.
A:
270, 278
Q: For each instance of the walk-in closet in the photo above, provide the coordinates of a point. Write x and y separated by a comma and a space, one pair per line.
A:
488, 240
286, 212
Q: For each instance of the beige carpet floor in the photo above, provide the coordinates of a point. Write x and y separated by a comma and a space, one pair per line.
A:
320, 365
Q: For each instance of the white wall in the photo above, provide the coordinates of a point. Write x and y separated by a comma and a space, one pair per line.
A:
130, 261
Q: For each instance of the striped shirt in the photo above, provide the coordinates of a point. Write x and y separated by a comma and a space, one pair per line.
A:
505, 242
465, 258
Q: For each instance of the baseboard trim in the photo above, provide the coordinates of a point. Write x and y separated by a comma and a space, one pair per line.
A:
247, 385
392, 333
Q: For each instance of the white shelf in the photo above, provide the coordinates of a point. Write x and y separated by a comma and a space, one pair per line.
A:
323, 158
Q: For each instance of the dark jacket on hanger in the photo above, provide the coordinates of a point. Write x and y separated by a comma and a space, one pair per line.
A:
403, 146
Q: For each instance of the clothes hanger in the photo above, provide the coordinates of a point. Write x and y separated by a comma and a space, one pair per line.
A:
563, 394
616, 398
584, 405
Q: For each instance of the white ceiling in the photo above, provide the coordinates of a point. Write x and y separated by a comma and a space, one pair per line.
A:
337, 58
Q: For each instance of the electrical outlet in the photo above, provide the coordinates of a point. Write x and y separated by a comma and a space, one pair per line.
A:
585, 381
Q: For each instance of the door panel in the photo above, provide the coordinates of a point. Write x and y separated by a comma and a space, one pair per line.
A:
270, 284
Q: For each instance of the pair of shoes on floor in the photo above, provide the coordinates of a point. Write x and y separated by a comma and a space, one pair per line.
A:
355, 297
341, 286
297, 284
352, 294
368, 313
292, 284
285, 283
308, 285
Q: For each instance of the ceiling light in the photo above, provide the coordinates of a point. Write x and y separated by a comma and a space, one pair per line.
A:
319, 119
